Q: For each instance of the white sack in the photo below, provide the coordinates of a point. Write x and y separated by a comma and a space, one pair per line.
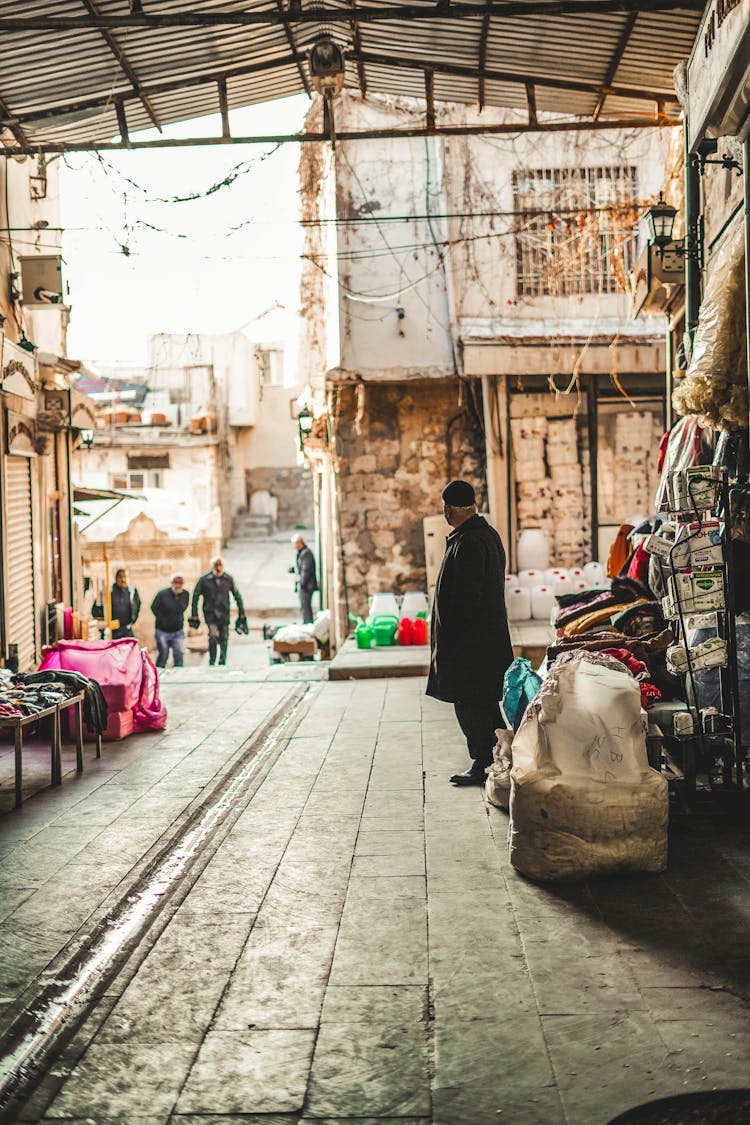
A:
583, 797
497, 786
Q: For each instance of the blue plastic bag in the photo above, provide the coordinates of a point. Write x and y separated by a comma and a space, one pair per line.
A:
520, 685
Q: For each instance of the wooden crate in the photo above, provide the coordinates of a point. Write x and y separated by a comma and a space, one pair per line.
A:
304, 648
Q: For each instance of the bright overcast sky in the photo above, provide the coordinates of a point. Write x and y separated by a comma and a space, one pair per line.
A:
136, 266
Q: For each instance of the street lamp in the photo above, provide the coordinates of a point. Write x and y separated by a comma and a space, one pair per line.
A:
660, 222
87, 438
304, 423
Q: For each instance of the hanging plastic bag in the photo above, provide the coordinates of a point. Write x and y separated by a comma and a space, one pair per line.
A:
520, 685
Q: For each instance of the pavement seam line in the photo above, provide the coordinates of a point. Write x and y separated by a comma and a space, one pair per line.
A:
25, 1040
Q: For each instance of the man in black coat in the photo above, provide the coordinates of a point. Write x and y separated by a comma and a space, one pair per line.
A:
215, 588
470, 640
168, 608
308, 580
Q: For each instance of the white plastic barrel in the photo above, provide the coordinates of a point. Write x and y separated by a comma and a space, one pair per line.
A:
531, 578
518, 603
542, 603
383, 603
532, 549
412, 603
562, 584
552, 573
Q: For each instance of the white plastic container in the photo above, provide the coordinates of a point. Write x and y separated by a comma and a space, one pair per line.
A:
518, 602
532, 549
412, 603
383, 604
579, 584
553, 573
563, 584
542, 603
575, 573
531, 578
511, 580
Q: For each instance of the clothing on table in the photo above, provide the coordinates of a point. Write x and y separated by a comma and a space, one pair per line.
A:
125, 609
95, 710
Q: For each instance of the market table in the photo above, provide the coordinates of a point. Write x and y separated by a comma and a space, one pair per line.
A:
18, 723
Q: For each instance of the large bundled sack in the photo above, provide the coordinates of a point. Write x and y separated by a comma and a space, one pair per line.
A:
497, 785
126, 674
583, 797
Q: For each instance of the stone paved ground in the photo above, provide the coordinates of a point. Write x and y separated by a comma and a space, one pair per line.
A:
357, 948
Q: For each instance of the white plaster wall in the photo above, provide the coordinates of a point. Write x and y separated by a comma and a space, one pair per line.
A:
467, 175
383, 265
45, 327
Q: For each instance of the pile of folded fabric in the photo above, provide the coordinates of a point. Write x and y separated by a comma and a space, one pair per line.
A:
28, 693
624, 621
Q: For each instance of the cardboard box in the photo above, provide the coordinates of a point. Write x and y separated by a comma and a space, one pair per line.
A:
703, 543
119, 725
304, 648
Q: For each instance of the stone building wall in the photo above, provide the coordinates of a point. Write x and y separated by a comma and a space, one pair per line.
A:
395, 447
292, 488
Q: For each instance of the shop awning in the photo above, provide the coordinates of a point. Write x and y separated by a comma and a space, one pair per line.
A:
83, 494
89, 76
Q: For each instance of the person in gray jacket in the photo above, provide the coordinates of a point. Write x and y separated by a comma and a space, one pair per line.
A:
307, 582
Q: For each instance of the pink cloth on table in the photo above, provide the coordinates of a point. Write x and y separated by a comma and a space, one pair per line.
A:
115, 665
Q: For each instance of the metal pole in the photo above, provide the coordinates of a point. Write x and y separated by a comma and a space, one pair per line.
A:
692, 238
746, 167
669, 376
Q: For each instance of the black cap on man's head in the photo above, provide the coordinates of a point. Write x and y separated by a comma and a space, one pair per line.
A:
459, 494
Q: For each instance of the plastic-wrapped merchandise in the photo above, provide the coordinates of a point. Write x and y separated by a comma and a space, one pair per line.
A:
683, 449
715, 387
583, 797
528, 427
529, 449
707, 680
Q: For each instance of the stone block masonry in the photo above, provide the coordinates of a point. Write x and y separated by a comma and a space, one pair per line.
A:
394, 453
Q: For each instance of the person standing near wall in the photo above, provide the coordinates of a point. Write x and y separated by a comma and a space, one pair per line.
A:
470, 639
307, 582
215, 588
125, 606
168, 608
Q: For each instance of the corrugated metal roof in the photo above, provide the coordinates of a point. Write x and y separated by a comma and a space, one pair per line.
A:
67, 64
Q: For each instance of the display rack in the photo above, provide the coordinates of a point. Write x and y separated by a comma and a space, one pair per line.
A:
701, 584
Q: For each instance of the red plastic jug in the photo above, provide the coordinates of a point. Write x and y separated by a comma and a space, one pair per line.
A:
419, 631
404, 632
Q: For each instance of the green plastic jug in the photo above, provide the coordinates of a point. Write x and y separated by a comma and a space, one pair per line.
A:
384, 629
363, 632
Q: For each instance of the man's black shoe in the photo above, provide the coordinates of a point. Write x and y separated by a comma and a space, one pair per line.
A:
472, 776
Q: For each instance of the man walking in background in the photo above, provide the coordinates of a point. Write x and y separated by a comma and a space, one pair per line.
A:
307, 582
470, 640
215, 588
168, 608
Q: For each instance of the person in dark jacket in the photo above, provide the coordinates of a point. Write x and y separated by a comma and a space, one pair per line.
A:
470, 640
168, 608
215, 588
307, 582
125, 606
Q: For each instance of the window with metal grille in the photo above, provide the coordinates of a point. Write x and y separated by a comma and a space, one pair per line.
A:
575, 230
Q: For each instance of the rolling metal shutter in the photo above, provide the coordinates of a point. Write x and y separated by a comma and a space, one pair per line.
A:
19, 561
